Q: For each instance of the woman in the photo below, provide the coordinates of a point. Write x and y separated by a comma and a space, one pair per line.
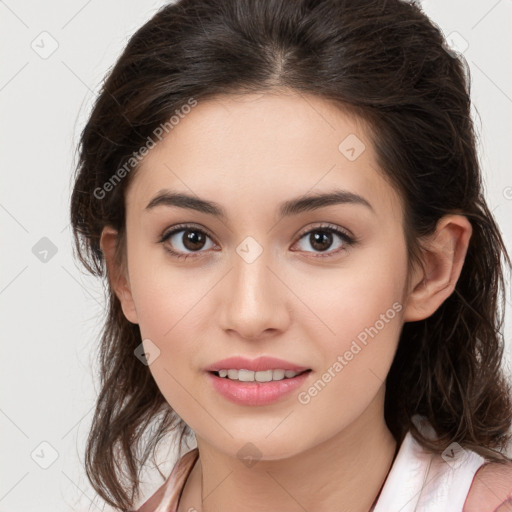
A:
302, 269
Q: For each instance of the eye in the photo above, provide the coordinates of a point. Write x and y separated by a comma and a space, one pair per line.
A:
185, 238
322, 237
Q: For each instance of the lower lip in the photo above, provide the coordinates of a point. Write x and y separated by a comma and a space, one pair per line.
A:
256, 393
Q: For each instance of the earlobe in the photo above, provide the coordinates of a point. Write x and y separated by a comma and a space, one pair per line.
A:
117, 274
443, 257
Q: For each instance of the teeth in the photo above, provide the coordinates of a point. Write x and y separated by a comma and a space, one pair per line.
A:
263, 376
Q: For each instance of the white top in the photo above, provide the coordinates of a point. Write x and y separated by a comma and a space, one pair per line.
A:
421, 481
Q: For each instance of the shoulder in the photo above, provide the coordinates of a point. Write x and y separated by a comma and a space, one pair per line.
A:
491, 489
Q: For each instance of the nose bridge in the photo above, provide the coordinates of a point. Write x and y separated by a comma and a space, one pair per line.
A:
255, 301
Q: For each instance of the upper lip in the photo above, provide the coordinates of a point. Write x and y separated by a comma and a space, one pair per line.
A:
256, 365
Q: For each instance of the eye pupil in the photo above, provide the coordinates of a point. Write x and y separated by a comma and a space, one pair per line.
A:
193, 240
319, 238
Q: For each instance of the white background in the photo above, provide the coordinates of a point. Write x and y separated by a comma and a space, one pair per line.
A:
51, 312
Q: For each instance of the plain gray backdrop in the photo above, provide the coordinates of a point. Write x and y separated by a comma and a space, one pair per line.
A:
54, 55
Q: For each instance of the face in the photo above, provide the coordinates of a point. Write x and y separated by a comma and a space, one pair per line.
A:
318, 285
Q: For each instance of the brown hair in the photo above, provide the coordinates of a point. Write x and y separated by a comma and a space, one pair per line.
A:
381, 59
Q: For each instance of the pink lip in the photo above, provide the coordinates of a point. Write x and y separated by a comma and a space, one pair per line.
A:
255, 393
256, 365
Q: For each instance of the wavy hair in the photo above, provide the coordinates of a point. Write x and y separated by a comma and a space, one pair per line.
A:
384, 61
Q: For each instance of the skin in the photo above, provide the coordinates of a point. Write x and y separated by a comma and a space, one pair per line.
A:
249, 153
491, 490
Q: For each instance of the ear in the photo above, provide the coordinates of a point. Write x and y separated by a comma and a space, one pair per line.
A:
117, 274
443, 256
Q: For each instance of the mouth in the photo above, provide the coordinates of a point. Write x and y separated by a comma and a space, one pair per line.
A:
250, 388
244, 375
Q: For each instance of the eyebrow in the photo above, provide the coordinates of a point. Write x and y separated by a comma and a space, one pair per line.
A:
306, 202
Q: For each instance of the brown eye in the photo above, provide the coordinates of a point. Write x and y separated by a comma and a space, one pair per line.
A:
183, 241
321, 239
193, 240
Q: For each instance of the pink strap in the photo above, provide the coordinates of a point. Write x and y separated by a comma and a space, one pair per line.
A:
167, 497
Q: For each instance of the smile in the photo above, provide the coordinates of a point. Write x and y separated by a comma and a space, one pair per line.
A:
254, 391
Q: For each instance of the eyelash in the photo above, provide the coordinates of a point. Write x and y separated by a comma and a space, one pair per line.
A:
329, 228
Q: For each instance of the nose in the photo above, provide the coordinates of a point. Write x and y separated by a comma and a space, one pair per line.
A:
255, 299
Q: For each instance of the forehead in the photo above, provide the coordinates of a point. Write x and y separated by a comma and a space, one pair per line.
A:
271, 146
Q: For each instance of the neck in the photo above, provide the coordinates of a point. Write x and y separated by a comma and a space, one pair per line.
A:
344, 473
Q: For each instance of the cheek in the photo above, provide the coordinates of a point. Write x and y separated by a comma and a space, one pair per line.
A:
363, 310
165, 296
365, 317
368, 290
168, 304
